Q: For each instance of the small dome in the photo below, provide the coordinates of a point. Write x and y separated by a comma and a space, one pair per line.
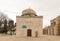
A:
28, 12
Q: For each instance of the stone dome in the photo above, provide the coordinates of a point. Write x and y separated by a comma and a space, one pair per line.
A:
28, 12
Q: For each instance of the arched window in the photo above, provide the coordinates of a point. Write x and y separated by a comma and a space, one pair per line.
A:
59, 28
24, 26
59, 24
54, 23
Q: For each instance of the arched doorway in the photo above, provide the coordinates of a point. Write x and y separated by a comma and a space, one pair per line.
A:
29, 32
36, 34
59, 29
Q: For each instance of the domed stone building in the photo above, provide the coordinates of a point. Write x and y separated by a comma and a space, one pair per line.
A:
29, 24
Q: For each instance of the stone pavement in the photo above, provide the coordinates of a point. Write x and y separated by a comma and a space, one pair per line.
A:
41, 38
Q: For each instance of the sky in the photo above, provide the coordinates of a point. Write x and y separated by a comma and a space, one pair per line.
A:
49, 9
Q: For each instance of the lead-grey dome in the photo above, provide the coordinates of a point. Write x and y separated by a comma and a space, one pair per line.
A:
28, 12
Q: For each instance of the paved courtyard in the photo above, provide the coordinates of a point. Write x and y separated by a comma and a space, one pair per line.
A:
41, 38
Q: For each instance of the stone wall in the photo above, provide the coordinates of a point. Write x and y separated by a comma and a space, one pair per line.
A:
34, 23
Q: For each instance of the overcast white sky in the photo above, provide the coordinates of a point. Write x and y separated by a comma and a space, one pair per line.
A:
49, 9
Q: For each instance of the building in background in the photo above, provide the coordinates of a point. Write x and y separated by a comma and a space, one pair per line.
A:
54, 28
47, 30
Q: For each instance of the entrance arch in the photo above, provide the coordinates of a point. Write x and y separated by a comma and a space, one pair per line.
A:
29, 32
36, 34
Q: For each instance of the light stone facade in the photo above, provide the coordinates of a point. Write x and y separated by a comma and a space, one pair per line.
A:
47, 30
53, 29
54, 24
34, 23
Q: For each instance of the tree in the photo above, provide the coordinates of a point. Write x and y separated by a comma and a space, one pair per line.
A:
0, 23
5, 26
11, 27
3, 22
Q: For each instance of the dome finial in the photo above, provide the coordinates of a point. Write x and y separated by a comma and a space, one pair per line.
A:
29, 7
